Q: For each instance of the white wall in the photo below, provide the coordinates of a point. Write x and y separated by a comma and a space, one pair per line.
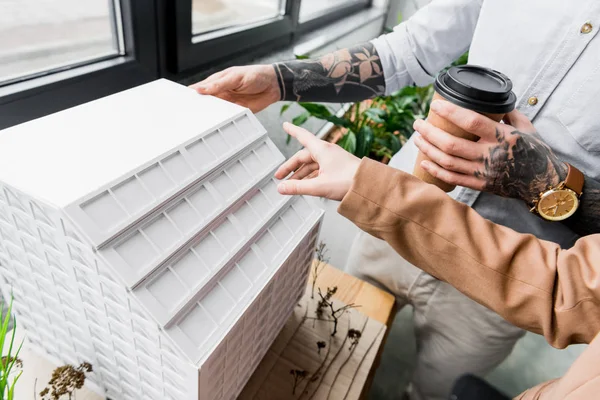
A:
336, 231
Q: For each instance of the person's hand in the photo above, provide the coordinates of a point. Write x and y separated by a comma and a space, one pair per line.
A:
253, 86
321, 169
510, 159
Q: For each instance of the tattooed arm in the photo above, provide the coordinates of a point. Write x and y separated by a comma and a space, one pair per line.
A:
346, 75
352, 74
509, 160
522, 166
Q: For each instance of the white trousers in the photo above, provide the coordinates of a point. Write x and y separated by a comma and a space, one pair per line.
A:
455, 335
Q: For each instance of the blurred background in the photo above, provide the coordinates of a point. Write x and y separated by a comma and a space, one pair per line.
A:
56, 54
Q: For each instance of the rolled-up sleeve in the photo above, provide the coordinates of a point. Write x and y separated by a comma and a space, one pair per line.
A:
531, 282
430, 40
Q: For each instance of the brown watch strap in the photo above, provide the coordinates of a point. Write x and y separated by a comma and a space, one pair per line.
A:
574, 179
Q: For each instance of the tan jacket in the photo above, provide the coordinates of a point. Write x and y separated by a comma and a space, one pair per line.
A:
530, 282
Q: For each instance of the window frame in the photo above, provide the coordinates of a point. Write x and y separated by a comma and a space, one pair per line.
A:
157, 42
190, 54
333, 15
46, 93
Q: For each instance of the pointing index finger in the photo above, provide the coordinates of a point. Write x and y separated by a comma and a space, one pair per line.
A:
305, 138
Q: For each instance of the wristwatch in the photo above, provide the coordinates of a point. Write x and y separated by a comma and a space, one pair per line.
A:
560, 202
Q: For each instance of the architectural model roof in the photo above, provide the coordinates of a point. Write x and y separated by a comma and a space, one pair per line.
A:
65, 156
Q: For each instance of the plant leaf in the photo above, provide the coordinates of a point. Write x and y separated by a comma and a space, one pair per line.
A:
343, 122
316, 110
463, 59
284, 108
378, 111
11, 390
4, 331
405, 91
395, 144
300, 119
364, 142
374, 115
348, 142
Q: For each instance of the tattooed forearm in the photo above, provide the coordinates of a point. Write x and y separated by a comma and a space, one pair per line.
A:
346, 75
522, 166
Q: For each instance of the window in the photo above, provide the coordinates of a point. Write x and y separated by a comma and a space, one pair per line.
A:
55, 54
211, 15
208, 32
314, 8
314, 13
46, 35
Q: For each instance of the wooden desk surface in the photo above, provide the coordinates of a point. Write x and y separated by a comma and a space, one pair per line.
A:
374, 302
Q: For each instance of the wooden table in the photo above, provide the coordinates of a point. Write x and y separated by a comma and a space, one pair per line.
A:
340, 373
375, 303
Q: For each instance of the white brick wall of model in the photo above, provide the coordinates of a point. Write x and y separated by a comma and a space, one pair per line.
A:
143, 233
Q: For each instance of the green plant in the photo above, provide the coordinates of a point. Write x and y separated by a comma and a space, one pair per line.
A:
376, 128
10, 360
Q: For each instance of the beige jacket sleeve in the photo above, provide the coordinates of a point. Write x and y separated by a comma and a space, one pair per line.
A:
530, 282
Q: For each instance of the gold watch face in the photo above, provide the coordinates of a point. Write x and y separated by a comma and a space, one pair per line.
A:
558, 204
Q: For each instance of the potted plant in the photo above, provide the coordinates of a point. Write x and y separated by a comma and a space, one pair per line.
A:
375, 128
10, 364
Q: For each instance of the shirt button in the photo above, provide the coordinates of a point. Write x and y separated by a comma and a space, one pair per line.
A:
586, 28
532, 101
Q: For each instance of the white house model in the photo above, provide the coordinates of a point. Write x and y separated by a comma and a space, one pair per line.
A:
143, 233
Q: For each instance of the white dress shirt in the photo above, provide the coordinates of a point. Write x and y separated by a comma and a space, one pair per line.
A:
548, 48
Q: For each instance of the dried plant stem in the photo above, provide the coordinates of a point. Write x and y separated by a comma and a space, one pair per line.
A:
318, 265
337, 353
65, 381
299, 375
353, 348
315, 375
362, 359
327, 302
336, 314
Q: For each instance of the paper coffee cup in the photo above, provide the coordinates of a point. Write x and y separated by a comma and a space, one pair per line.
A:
476, 88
